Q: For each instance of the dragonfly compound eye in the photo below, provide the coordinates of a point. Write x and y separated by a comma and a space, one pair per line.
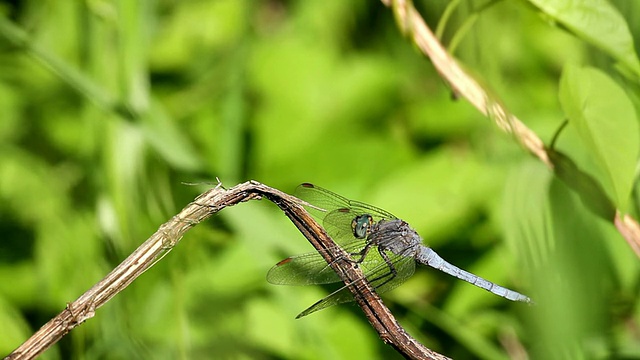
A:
361, 225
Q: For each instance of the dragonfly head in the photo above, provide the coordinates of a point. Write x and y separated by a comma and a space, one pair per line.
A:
361, 226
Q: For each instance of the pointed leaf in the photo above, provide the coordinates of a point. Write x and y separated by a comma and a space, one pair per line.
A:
606, 122
597, 22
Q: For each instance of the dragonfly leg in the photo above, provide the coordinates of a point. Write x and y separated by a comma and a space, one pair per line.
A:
392, 269
362, 253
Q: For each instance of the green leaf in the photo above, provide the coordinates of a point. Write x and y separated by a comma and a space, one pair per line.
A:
605, 119
563, 253
589, 190
597, 22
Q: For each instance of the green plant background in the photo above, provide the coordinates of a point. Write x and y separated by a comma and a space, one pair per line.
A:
106, 107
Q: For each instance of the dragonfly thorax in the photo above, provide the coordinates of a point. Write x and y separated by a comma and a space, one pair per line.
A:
395, 236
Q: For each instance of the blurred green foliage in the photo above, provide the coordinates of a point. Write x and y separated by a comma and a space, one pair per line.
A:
107, 106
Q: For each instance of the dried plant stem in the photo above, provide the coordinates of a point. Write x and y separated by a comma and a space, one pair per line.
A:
411, 23
170, 233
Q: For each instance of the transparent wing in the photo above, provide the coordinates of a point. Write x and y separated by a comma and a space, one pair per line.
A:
330, 201
305, 269
308, 269
337, 223
339, 296
322, 198
338, 212
378, 273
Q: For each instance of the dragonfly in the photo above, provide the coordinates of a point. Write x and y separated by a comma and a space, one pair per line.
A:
384, 247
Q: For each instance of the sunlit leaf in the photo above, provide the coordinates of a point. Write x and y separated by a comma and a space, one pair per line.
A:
597, 22
606, 122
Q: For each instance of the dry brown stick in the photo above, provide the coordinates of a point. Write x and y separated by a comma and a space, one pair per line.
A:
170, 233
412, 24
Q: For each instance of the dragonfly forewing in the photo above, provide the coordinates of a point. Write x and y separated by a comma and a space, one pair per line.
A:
308, 269
337, 223
321, 198
331, 201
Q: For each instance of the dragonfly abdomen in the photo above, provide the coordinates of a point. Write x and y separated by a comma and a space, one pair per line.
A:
429, 257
